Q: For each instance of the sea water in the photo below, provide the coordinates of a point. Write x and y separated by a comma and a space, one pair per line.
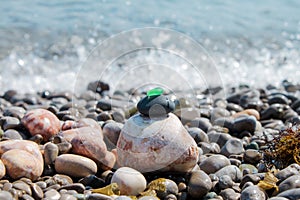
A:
59, 44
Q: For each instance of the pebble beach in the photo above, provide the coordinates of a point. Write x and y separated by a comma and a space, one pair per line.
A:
57, 147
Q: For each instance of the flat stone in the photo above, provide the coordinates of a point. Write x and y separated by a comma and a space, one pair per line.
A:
214, 163
199, 184
78, 166
78, 187
130, 181
52, 195
14, 111
20, 185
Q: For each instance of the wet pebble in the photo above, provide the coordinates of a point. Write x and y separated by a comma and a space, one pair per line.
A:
20, 185
37, 192
12, 134
290, 183
229, 194
252, 156
198, 134
98, 197
225, 181
247, 123
112, 131
9, 122
67, 197
214, 163
291, 194
52, 194
293, 169
201, 123
218, 137
50, 153
78, 166
78, 187
130, 181
199, 184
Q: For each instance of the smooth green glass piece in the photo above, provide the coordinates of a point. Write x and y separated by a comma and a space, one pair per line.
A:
155, 92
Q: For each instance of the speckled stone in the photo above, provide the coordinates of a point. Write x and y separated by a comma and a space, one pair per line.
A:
162, 144
17, 165
253, 193
130, 181
214, 163
78, 166
199, 184
41, 121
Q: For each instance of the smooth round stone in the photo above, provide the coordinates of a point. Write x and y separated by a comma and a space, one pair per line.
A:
41, 121
252, 156
2, 169
78, 187
37, 192
12, 134
64, 147
122, 197
20, 163
225, 181
233, 171
199, 184
130, 181
155, 106
278, 98
148, 198
27, 197
253, 193
111, 131
209, 147
77, 166
253, 145
233, 146
219, 113
104, 116
253, 178
62, 179
9, 122
4, 195
170, 197
14, 111
50, 153
97, 197
52, 195
278, 198
201, 123
230, 194
166, 187
198, 135
250, 112
93, 181
156, 144
20, 185
219, 138
290, 183
292, 194
214, 163
244, 124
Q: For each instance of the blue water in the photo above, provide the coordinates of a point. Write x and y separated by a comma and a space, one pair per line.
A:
45, 44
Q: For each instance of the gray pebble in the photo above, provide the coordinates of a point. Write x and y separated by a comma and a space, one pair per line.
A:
233, 171
79, 187
292, 194
291, 170
218, 137
98, 197
199, 184
14, 111
27, 197
12, 134
37, 192
20, 185
201, 123
9, 122
247, 123
278, 198
198, 134
225, 181
229, 194
4, 195
52, 194
67, 197
253, 193
214, 163
253, 178
232, 146
290, 183
50, 153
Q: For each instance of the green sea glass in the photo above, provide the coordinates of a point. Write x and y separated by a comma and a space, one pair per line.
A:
155, 92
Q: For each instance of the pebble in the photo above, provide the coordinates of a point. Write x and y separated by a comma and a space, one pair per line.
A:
98, 197
250, 112
92, 181
293, 169
4, 195
230, 194
12, 134
253, 193
290, 183
9, 122
14, 111
37, 192
27, 197
247, 123
78, 187
233, 146
20, 185
198, 134
225, 181
163, 187
291, 194
50, 153
199, 184
41, 121
130, 181
252, 156
17, 165
201, 123
218, 137
67, 197
52, 195
78, 166
233, 171
214, 163
111, 131
2, 169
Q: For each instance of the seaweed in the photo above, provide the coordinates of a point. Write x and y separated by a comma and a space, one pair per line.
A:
283, 149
